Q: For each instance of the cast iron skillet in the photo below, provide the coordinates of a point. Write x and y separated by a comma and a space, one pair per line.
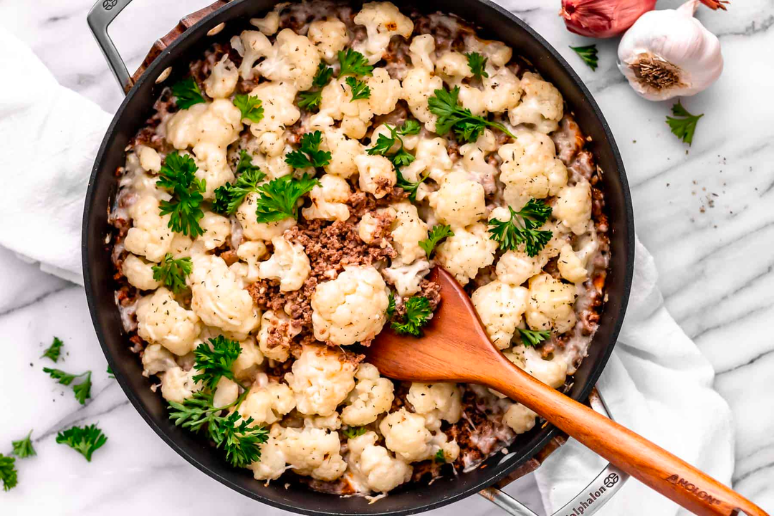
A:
495, 23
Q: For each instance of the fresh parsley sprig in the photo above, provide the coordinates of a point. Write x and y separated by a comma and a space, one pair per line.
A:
533, 338
84, 440
477, 64
683, 124
230, 196
54, 350
522, 228
250, 107
417, 314
439, 457
177, 176
354, 431
214, 360
279, 197
407, 186
401, 158
81, 390
390, 306
434, 237
310, 100
358, 88
452, 116
187, 93
23, 447
172, 272
589, 55
353, 63
309, 154
8, 473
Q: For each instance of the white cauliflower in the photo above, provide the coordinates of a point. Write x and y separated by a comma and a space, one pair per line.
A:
432, 158
573, 207
289, 264
570, 265
382, 21
150, 235
181, 246
222, 80
418, 86
178, 385
329, 36
226, 392
139, 273
475, 164
496, 52
251, 45
551, 372
254, 230
272, 464
374, 465
377, 176
276, 335
219, 299
530, 168
406, 278
250, 357
321, 378
452, 67
500, 307
371, 396
251, 253
370, 226
313, 452
161, 320
460, 201
267, 402
550, 304
343, 153
502, 91
293, 60
279, 112
519, 418
150, 161
269, 24
407, 231
351, 308
516, 267
465, 253
157, 359
217, 229
405, 434
329, 199
542, 106
436, 401
421, 52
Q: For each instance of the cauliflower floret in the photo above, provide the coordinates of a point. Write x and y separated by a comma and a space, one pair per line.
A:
372, 224
570, 265
268, 25
219, 299
551, 372
279, 112
431, 158
313, 452
406, 435
250, 357
516, 267
161, 320
156, 359
519, 418
273, 166
332, 422
418, 86
150, 161
178, 385
372, 396
385, 92
380, 471
469, 250
226, 392
496, 52
289, 264
343, 153
542, 105
251, 45
460, 201
573, 207
421, 52
329, 36
275, 335
272, 464
407, 231
382, 21
406, 278
453, 67
254, 230
351, 308
502, 91
181, 246
217, 229
436, 401
550, 304
293, 60
377, 176
476, 166
267, 403
139, 273
222, 80
321, 379
150, 235
251, 253
530, 168
500, 307
329, 199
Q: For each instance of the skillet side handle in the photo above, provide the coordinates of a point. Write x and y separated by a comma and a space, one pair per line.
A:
102, 15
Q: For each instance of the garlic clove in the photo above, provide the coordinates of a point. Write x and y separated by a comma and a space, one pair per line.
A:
669, 53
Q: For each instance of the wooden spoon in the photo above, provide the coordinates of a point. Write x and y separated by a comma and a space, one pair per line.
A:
455, 348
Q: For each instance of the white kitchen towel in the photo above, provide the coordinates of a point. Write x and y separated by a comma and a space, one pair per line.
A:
657, 382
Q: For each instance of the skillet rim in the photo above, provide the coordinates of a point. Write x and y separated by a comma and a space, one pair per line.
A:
527, 453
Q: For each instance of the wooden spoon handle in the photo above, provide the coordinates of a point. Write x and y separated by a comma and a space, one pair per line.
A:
651, 464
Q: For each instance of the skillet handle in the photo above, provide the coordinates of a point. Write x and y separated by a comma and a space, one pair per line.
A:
102, 15
603, 487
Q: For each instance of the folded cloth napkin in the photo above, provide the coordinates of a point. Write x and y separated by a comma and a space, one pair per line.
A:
657, 382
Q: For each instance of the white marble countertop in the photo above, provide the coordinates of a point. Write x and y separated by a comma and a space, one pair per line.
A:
705, 213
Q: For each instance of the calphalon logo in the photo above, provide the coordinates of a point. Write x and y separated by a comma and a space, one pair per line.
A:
593, 496
683, 483
109, 4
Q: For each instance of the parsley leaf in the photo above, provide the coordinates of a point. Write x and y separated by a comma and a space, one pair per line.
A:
85, 440
533, 337
110, 373
467, 126
353, 63
409, 128
439, 457
589, 55
436, 234
310, 100
522, 228
279, 197
23, 447
407, 186
477, 64
417, 315
214, 360
54, 350
250, 107
230, 196
8, 473
187, 93
360, 89
402, 158
172, 272
685, 126
82, 390
177, 175
390, 306
354, 431
309, 153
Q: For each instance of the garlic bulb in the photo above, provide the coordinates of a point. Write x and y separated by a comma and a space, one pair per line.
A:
669, 53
